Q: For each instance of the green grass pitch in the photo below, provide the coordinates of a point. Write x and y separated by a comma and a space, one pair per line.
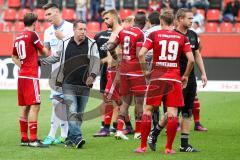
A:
219, 113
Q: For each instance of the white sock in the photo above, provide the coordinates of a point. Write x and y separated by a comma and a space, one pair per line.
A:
55, 122
63, 121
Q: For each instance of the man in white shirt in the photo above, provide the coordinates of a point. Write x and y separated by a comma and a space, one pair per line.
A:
59, 30
154, 21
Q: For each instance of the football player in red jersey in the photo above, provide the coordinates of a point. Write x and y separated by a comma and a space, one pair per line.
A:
25, 55
184, 18
131, 77
165, 80
111, 92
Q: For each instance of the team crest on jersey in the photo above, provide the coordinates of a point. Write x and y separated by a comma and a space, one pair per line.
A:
53, 42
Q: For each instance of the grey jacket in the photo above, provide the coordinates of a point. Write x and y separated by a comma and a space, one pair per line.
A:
93, 56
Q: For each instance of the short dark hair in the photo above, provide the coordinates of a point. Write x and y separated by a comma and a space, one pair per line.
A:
29, 19
181, 13
140, 19
50, 5
154, 18
78, 21
167, 16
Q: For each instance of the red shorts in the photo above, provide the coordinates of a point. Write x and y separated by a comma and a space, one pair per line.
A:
28, 92
112, 88
132, 84
168, 91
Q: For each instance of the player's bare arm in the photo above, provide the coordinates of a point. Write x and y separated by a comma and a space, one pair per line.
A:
44, 51
16, 60
111, 61
142, 61
200, 64
189, 67
111, 48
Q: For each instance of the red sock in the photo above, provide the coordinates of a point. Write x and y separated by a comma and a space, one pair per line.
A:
33, 130
196, 111
145, 129
172, 125
138, 126
23, 128
108, 114
120, 123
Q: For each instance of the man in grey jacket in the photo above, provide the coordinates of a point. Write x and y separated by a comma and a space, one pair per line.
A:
79, 67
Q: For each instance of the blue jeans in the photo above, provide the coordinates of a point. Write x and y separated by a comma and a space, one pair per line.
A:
76, 105
23, 4
94, 7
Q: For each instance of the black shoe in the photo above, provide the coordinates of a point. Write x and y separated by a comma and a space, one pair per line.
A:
24, 143
152, 140
128, 130
37, 143
188, 148
80, 142
69, 144
113, 130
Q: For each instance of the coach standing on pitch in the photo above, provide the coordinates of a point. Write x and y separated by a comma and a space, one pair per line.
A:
80, 63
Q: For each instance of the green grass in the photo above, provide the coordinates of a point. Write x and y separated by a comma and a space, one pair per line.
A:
220, 114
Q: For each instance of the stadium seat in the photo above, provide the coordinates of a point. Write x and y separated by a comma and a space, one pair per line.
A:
225, 2
128, 4
14, 3
125, 13
201, 11
143, 4
2, 3
22, 12
8, 27
18, 26
70, 4
9, 14
213, 15
40, 12
139, 10
1, 27
238, 17
211, 27
237, 27
103, 27
91, 35
226, 27
38, 27
68, 14
41, 3
46, 25
93, 27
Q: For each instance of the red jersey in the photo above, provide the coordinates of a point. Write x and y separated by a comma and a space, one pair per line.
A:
167, 45
129, 39
26, 46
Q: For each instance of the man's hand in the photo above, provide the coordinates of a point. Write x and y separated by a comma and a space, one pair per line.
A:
90, 81
184, 80
204, 80
59, 84
59, 34
147, 75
